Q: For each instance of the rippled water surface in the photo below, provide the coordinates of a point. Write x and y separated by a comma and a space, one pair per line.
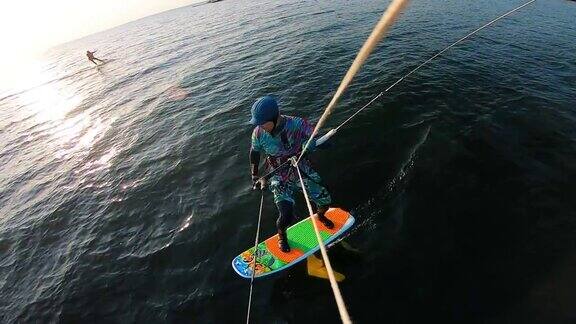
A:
124, 188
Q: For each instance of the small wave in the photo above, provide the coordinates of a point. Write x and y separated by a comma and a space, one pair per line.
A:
369, 208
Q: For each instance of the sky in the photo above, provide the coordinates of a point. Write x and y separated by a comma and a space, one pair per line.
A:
30, 27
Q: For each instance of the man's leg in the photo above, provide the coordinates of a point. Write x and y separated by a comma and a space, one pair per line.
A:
285, 219
283, 193
320, 196
322, 217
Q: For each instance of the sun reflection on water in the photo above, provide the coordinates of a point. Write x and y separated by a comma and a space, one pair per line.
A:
48, 102
70, 125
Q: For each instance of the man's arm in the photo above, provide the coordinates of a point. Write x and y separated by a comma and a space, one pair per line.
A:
254, 153
254, 162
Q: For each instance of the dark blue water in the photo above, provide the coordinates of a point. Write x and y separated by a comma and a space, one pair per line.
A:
124, 189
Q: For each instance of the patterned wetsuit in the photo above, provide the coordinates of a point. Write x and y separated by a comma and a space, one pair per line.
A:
279, 147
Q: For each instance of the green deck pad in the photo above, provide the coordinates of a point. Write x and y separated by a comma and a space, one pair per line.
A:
302, 236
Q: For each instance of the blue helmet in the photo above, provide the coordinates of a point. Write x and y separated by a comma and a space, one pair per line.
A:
265, 109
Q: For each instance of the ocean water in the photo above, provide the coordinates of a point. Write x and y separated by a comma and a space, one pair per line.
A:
125, 189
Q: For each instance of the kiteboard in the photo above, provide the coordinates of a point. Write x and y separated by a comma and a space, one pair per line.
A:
303, 243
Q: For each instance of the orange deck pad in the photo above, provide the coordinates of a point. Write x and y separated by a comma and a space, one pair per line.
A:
272, 246
337, 216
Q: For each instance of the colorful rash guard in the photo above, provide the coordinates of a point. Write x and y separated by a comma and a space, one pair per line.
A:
278, 148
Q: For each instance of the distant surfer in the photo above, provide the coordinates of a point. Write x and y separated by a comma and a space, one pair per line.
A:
91, 57
281, 137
